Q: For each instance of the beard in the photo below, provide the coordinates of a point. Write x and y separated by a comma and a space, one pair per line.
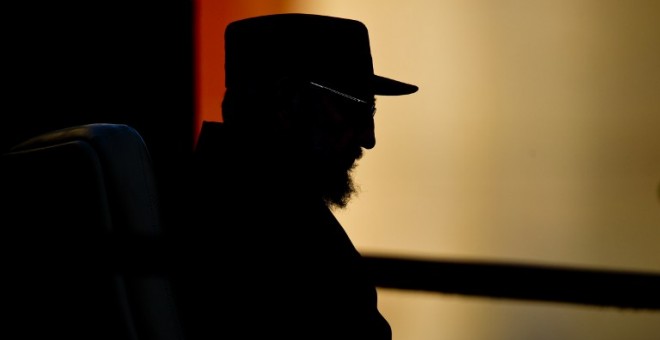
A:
335, 181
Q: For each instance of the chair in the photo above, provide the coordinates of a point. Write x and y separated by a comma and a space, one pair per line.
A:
81, 207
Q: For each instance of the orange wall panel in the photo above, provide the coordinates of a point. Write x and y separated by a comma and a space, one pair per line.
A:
211, 18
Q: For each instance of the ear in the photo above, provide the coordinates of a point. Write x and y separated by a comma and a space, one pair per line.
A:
290, 109
285, 112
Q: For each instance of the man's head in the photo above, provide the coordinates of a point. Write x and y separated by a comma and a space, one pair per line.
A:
309, 79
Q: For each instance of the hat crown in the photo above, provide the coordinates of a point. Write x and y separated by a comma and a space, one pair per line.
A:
326, 49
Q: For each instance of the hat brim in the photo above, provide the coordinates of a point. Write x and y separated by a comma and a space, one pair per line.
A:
389, 87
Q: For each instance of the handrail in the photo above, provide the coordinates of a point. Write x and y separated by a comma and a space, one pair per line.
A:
605, 288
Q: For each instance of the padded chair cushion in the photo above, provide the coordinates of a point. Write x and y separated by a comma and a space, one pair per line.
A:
72, 195
123, 162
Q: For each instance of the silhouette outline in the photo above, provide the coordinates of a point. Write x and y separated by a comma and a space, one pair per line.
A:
269, 258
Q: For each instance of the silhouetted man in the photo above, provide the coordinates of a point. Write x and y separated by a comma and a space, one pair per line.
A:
298, 111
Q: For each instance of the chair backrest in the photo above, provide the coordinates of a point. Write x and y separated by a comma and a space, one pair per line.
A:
75, 200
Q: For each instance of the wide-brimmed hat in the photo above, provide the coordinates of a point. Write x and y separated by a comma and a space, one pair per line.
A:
335, 52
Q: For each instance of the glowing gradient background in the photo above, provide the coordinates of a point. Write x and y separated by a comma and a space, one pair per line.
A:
534, 138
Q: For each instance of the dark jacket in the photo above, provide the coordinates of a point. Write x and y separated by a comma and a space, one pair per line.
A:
270, 258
